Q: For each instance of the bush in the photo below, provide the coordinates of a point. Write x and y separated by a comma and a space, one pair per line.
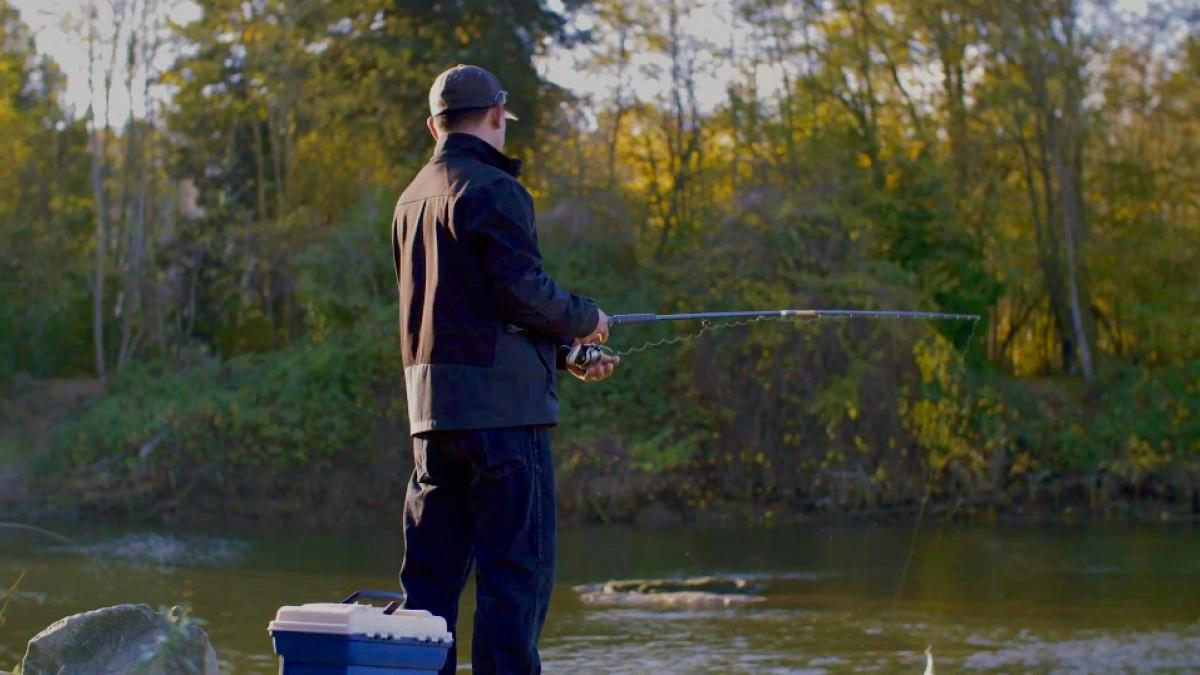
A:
304, 406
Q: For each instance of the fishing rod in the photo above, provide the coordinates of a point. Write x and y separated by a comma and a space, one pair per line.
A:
790, 313
585, 355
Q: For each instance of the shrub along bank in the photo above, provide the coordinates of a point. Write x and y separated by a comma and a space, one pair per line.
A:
222, 263
319, 428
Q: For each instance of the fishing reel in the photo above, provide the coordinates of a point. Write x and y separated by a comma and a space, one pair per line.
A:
584, 356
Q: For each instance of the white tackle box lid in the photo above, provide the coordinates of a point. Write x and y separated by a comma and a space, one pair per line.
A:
335, 618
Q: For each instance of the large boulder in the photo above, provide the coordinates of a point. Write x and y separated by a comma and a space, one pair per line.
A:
122, 639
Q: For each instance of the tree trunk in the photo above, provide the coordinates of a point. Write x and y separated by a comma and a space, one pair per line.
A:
1065, 147
260, 168
98, 202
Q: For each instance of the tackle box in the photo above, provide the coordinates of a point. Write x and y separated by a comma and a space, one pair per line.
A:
346, 638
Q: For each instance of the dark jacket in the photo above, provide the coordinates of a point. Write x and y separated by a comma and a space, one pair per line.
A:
467, 265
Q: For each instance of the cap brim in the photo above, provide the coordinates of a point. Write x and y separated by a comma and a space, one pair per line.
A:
508, 114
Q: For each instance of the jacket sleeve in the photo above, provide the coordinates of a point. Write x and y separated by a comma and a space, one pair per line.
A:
499, 222
560, 353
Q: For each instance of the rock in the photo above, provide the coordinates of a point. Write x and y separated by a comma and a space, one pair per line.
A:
693, 593
675, 600
717, 585
121, 639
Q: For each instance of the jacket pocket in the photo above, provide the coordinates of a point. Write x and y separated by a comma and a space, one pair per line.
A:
545, 356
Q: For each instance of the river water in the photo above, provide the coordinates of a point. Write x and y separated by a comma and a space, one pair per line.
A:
1001, 598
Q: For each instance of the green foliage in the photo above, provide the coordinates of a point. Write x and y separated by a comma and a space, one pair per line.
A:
300, 407
347, 273
1137, 427
43, 220
921, 233
250, 316
956, 424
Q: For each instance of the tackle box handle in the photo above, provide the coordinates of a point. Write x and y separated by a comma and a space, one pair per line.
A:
396, 599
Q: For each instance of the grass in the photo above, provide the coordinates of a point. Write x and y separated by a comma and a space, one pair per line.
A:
7, 597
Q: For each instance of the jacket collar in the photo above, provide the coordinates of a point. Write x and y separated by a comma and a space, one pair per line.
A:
468, 145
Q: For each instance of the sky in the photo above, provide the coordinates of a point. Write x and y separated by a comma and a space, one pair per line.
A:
55, 25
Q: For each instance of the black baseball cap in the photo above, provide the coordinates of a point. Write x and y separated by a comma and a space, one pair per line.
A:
464, 87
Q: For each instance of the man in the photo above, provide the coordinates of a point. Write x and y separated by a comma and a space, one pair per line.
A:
482, 327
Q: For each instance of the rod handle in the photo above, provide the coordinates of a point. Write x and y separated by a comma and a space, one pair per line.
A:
631, 318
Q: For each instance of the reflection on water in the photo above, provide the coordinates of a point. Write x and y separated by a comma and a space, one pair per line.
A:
162, 549
1008, 599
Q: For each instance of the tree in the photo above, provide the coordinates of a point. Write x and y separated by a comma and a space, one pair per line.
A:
43, 201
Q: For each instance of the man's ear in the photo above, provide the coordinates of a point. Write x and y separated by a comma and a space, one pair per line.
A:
496, 116
432, 127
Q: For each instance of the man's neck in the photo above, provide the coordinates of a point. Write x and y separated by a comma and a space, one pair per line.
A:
477, 145
483, 136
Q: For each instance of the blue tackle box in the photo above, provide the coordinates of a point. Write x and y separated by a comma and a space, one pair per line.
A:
346, 638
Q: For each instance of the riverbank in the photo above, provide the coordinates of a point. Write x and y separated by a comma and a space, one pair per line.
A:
317, 432
367, 493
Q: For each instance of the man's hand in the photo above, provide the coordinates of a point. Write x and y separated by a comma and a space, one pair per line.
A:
600, 370
603, 368
599, 334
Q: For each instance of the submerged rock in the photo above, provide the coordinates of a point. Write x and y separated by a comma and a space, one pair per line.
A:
677, 600
692, 593
720, 585
121, 639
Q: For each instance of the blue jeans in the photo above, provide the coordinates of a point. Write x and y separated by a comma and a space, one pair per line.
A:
483, 496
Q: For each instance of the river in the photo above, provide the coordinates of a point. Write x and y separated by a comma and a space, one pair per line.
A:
994, 598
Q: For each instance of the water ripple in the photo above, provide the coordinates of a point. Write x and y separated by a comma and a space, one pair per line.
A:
164, 550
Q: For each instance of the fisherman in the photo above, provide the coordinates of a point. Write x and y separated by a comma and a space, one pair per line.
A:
482, 327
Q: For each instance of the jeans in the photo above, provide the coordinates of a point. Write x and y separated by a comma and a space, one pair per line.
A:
483, 496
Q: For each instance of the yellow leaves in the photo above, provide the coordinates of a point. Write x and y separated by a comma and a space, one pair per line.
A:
892, 180
1180, 414
943, 420
251, 35
836, 23
1022, 464
1141, 455
15, 148
337, 166
936, 359
915, 149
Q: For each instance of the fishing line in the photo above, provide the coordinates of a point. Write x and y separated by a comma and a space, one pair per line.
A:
912, 542
791, 316
586, 355
706, 326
